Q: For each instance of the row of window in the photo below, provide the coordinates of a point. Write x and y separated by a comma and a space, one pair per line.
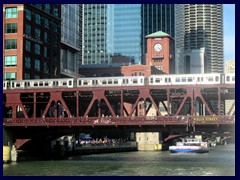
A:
12, 44
12, 12
10, 61
13, 76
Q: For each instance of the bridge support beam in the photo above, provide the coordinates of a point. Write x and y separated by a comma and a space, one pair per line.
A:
149, 141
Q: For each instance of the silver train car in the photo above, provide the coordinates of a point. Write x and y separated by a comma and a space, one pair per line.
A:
111, 81
39, 83
180, 79
185, 79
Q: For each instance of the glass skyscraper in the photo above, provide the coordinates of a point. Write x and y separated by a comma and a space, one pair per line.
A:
70, 39
111, 30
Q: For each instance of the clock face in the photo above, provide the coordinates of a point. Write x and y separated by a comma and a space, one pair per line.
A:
158, 47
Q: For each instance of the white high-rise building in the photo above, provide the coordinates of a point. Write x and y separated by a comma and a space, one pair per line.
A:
199, 38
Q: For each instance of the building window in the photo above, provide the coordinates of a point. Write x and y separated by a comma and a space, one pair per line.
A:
10, 43
10, 28
27, 62
38, 19
47, 8
37, 33
39, 6
28, 46
28, 30
46, 40
10, 61
46, 67
55, 27
55, 12
36, 77
10, 76
26, 76
54, 40
46, 23
46, 52
37, 65
37, 49
11, 12
28, 14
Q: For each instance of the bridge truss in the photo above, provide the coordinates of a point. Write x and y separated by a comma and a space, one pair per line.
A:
118, 106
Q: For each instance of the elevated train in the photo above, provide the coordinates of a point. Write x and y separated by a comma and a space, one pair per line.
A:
176, 79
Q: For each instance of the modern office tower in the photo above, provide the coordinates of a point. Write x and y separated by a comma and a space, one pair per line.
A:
32, 41
202, 26
118, 30
70, 50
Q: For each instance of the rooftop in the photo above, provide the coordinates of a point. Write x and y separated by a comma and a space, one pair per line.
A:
158, 34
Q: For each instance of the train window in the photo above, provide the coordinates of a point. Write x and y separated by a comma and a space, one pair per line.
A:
166, 80
169, 79
190, 79
151, 80
216, 79
85, 82
184, 79
55, 83
17, 84
79, 82
157, 80
46, 84
115, 81
177, 79
64, 83
35, 84
26, 84
135, 81
104, 82
70, 83
40, 83
125, 81
110, 81
228, 78
210, 78
233, 78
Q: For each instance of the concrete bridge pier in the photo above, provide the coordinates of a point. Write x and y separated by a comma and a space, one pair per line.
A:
9, 150
149, 141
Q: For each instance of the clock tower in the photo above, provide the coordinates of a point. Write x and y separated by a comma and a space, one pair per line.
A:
160, 52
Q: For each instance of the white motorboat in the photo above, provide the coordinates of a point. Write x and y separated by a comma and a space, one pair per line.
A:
190, 145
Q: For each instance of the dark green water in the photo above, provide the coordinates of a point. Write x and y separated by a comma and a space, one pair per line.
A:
220, 161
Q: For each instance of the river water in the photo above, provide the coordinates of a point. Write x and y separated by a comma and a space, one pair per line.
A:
220, 161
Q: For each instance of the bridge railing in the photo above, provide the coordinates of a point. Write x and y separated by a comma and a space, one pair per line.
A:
115, 121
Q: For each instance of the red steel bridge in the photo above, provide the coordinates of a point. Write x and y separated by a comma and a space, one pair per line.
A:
163, 105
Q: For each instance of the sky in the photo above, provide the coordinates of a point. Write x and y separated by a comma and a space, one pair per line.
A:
229, 31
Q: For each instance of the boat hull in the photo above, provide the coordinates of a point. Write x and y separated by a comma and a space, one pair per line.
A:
175, 149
